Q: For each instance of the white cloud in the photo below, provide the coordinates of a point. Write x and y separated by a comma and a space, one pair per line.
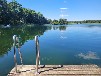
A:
63, 8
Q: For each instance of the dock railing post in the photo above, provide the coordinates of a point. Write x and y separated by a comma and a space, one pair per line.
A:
19, 46
37, 53
15, 61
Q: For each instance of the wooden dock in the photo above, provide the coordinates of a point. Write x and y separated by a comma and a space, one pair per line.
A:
56, 70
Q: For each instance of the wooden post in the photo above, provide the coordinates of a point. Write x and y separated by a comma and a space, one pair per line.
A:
15, 61
37, 53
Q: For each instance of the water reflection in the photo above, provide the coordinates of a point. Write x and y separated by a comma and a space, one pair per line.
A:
26, 33
89, 55
62, 28
56, 46
94, 25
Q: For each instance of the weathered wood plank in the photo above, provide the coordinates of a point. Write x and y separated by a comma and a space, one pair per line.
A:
54, 70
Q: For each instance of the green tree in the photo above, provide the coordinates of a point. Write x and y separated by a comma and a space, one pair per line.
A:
49, 21
13, 13
63, 21
3, 12
14, 10
55, 22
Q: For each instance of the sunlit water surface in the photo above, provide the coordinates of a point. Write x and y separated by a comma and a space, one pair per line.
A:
67, 45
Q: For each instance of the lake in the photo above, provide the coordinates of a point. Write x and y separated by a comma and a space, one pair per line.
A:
65, 45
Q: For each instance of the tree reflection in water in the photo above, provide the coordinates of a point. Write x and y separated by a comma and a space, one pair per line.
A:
26, 33
62, 28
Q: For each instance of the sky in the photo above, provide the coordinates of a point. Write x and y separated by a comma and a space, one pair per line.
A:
71, 9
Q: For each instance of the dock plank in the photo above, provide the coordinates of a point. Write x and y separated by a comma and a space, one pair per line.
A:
54, 70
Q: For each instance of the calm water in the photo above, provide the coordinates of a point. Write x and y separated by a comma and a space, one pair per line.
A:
71, 44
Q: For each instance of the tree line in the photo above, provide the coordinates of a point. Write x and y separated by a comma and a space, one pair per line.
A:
61, 21
85, 21
13, 13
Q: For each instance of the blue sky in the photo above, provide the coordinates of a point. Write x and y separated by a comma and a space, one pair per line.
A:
77, 9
